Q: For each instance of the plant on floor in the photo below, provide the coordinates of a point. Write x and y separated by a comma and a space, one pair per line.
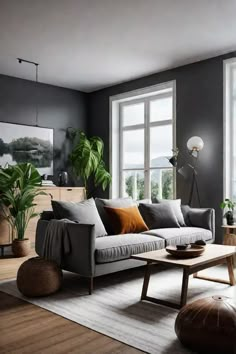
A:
19, 185
229, 204
87, 159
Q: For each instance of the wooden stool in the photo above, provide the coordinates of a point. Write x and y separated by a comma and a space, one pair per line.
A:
230, 238
39, 277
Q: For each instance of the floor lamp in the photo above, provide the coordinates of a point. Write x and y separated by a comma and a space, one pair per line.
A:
195, 145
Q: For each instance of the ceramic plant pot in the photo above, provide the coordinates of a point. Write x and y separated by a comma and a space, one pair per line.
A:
21, 248
230, 217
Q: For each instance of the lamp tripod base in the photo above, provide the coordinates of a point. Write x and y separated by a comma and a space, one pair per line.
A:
194, 185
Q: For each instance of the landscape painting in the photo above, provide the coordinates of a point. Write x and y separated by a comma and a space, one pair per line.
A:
23, 143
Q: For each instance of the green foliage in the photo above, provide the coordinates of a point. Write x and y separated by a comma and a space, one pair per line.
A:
227, 203
167, 187
19, 185
129, 184
87, 160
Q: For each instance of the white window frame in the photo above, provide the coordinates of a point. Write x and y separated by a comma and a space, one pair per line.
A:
229, 65
116, 129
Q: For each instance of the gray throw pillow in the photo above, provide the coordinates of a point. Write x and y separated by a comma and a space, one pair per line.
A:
158, 216
112, 203
200, 217
144, 201
83, 212
185, 211
176, 206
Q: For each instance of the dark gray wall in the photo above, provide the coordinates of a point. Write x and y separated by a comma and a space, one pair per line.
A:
58, 108
199, 90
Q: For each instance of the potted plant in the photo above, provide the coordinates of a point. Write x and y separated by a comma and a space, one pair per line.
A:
87, 160
229, 204
19, 185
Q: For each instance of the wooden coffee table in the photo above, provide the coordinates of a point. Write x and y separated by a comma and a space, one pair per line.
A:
213, 255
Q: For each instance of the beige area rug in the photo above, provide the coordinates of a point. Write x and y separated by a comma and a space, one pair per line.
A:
115, 308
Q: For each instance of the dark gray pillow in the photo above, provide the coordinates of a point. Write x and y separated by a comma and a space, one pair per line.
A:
83, 212
158, 216
112, 203
185, 211
176, 206
200, 217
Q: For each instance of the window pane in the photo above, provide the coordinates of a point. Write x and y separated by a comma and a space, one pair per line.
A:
133, 184
161, 109
234, 151
161, 184
234, 81
160, 146
133, 148
133, 114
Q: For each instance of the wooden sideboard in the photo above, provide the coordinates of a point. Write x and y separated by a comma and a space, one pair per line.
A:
69, 194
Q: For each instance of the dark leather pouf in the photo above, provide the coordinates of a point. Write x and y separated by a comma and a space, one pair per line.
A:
39, 277
208, 325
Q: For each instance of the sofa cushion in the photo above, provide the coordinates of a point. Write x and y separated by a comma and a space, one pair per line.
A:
185, 211
178, 236
200, 217
83, 212
47, 215
115, 248
111, 203
126, 220
176, 206
158, 215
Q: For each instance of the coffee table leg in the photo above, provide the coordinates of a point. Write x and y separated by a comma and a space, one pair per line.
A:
146, 281
230, 270
184, 291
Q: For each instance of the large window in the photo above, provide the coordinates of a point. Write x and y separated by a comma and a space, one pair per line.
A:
230, 129
144, 132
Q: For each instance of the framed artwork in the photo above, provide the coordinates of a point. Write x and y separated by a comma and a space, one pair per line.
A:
23, 143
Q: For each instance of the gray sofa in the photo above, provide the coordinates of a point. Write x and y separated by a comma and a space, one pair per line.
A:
91, 257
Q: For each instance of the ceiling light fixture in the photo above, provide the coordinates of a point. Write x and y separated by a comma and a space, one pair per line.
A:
20, 61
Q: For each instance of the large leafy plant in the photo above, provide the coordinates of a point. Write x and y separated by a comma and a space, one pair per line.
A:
19, 185
87, 159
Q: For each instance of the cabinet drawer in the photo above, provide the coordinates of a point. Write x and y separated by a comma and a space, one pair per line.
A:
44, 201
71, 194
53, 193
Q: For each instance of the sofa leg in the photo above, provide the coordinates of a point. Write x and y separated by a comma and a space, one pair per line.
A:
90, 285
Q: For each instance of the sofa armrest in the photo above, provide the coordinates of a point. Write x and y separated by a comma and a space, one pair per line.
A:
81, 258
47, 215
82, 239
201, 217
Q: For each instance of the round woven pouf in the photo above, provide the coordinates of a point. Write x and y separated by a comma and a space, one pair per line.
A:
39, 277
208, 325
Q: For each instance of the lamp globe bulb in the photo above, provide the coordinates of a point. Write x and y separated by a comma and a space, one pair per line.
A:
195, 143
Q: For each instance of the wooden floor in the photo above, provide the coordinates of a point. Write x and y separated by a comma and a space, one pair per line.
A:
26, 328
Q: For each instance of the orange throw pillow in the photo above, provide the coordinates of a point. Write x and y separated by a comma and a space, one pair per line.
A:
126, 220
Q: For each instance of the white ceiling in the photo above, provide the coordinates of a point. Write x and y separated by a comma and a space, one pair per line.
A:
89, 44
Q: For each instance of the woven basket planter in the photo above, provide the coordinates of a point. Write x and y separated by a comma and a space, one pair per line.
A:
21, 248
39, 277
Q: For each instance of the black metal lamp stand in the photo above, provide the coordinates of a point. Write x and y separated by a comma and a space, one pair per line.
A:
194, 184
